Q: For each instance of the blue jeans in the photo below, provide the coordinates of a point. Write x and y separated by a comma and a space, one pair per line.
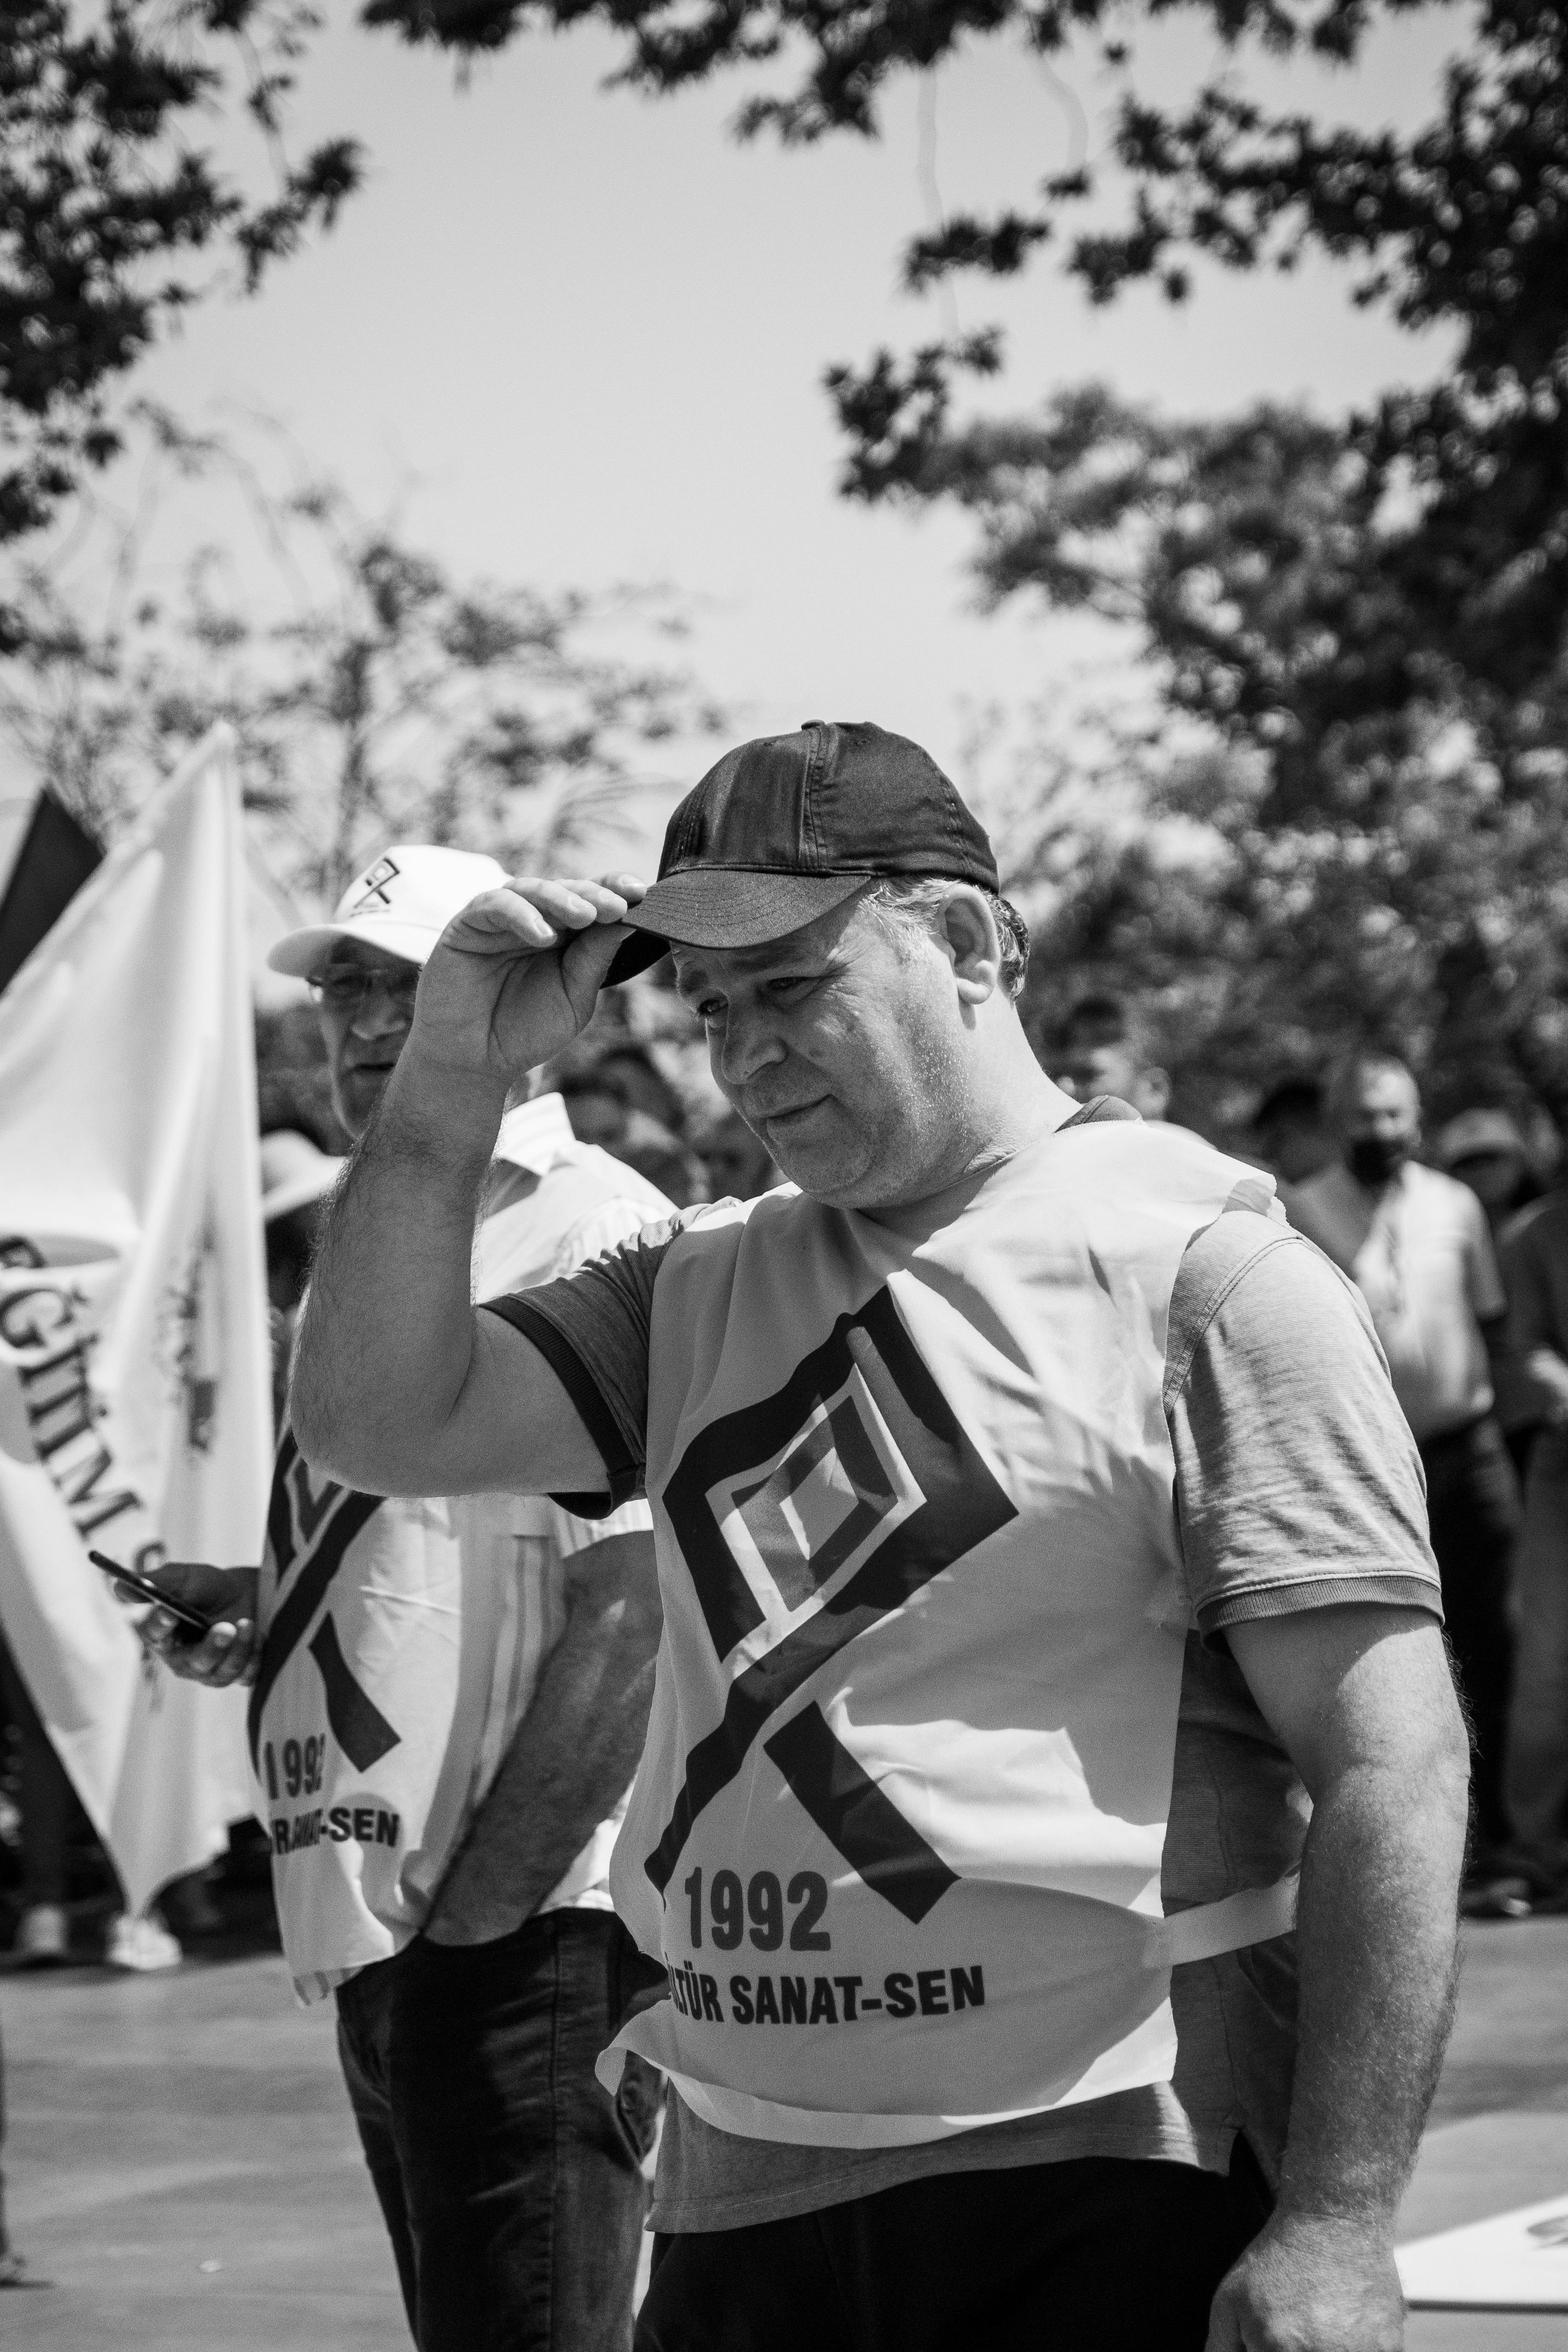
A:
510, 2180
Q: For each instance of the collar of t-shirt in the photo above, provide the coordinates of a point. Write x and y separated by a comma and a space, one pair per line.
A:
1100, 1106
534, 1134
915, 1221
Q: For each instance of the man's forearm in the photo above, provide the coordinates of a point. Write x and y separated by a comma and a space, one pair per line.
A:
1376, 1949
387, 1333
574, 1755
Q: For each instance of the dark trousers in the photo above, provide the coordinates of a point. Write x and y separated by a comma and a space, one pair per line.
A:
44, 1794
1472, 1497
1094, 2255
510, 2181
1538, 1720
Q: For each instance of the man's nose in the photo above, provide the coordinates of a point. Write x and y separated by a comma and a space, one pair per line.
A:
379, 1014
749, 1045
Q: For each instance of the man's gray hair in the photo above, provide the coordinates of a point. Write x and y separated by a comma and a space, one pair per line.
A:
908, 907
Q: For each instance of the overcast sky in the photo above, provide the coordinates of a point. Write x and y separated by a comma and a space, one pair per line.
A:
584, 332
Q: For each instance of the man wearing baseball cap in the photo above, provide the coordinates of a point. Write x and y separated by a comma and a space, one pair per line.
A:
450, 1696
1037, 1531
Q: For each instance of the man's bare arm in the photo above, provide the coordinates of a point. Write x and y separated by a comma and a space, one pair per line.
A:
574, 1753
399, 1387
1363, 1701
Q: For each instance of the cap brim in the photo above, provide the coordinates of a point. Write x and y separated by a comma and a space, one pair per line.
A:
726, 907
301, 1190
301, 953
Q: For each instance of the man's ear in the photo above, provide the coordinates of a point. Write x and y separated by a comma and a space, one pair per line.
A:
970, 929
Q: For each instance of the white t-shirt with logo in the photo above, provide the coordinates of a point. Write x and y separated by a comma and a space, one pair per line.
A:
403, 1638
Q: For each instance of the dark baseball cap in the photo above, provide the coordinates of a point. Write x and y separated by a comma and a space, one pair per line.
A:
787, 826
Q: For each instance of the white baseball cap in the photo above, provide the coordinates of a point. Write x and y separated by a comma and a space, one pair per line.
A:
294, 1172
401, 903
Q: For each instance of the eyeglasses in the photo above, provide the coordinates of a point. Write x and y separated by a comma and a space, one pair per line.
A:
346, 989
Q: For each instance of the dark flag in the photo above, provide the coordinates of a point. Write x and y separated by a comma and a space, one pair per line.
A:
56, 857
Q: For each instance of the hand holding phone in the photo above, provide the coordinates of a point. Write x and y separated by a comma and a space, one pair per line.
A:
204, 1624
190, 1621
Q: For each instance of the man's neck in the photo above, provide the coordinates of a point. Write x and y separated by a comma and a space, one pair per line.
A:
1018, 1113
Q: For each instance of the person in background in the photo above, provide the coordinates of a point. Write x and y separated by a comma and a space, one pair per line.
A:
1291, 1129
738, 1162
606, 1102
1418, 1246
641, 1085
1105, 1049
296, 1178
1485, 1149
449, 1701
12, 2266
49, 1809
1535, 1276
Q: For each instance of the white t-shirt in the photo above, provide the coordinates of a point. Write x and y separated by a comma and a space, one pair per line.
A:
1421, 1256
404, 1637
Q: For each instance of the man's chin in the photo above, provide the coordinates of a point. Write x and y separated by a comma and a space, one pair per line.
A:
356, 1094
833, 1177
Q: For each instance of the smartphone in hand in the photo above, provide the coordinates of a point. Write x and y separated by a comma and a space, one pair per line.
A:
192, 1623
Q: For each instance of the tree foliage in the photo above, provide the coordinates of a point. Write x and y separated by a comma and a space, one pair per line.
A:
1463, 222
105, 205
374, 696
1433, 920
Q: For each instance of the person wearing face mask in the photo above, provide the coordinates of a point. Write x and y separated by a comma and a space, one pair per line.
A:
1418, 1246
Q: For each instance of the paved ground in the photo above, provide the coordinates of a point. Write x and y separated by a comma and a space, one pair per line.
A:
181, 2160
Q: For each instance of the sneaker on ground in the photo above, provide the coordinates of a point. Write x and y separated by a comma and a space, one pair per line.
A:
14, 2271
1497, 1895
42, 1937
141, 1943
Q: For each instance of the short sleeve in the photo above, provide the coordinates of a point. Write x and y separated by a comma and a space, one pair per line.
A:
592, 1329
1298, 1481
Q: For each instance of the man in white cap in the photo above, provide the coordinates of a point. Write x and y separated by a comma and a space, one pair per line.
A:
449, 1698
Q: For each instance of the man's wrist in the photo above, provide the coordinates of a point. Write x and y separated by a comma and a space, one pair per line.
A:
1336, 2205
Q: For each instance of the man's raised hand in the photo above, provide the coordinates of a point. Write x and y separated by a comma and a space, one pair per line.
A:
516, 975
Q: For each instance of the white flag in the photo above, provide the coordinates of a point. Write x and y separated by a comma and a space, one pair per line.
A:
134, 1390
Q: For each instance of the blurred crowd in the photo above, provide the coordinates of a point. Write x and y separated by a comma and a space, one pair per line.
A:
56, 1883
1457, 1242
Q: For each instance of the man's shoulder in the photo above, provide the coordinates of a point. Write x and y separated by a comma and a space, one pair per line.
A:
1331, 1188
1279, 1288
537, 1226
1440, 1204
1541, 1229
588, 1176
1433, 1185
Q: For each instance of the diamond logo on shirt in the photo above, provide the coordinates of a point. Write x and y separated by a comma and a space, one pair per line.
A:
813, 1514
838, 1483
